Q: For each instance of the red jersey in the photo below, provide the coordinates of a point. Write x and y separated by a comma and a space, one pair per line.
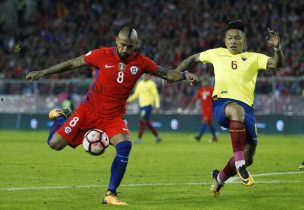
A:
205, 95
114, 80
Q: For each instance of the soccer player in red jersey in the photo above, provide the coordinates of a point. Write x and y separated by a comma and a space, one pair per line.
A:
204, 94
104, 105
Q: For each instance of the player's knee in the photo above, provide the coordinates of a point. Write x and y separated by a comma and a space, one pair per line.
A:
235, 112
123, 148
57, 144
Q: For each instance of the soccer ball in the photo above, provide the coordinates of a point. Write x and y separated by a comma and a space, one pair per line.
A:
95, 142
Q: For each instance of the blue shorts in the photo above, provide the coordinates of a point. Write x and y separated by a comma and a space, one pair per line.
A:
145, 112
219, 115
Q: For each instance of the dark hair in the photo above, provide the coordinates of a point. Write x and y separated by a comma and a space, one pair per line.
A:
235, 24
130, 27
130, 31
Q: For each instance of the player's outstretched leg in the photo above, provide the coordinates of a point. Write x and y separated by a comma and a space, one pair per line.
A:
59, 116
118, 169
217, 184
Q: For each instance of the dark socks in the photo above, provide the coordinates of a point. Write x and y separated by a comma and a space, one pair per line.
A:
119, 164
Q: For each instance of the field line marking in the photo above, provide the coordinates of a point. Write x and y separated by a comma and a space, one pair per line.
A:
231, 181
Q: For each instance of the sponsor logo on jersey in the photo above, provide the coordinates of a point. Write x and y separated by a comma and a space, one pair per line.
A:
68, 129
133, 70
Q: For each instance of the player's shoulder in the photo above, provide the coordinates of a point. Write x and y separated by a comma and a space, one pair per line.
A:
249, 54
152, 82
140, 56
216, 51
107, 50
101, 51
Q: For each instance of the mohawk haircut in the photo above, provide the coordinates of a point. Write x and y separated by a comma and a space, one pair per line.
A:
236, 24
130, 27
130, 31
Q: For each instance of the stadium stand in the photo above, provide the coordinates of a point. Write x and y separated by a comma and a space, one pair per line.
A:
49, 31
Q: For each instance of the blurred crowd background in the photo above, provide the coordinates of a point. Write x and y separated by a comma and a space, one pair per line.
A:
36, 34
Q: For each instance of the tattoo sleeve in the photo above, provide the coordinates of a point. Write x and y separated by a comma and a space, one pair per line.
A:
170, 75
188, 63
65, 66
276, 61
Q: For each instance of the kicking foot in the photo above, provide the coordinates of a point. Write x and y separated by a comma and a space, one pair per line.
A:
215, 187
59, 112
112, 199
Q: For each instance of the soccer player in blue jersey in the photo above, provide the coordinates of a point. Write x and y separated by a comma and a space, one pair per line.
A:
146, 91
235, 73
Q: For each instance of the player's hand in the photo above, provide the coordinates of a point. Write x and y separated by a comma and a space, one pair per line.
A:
192, 78
273, 38
34, 75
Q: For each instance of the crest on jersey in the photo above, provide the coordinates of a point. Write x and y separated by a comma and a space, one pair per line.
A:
133, 70
121, 67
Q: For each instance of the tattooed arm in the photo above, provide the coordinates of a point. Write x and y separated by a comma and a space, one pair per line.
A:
58, 68
188, 63
277, 59
174, 76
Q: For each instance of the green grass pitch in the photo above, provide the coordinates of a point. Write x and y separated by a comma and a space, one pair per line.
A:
174, 174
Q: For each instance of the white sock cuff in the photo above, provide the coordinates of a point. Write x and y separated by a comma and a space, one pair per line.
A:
239, 163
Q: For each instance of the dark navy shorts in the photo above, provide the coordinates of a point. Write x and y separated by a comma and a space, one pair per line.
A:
219, 115
145, 112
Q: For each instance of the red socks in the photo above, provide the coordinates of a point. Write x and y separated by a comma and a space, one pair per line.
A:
238, 137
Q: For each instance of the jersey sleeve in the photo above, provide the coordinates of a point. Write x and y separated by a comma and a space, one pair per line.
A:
150, 66
206, 56
262, 61
92, 58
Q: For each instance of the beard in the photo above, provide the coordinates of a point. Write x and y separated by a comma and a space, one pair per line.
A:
123, 56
